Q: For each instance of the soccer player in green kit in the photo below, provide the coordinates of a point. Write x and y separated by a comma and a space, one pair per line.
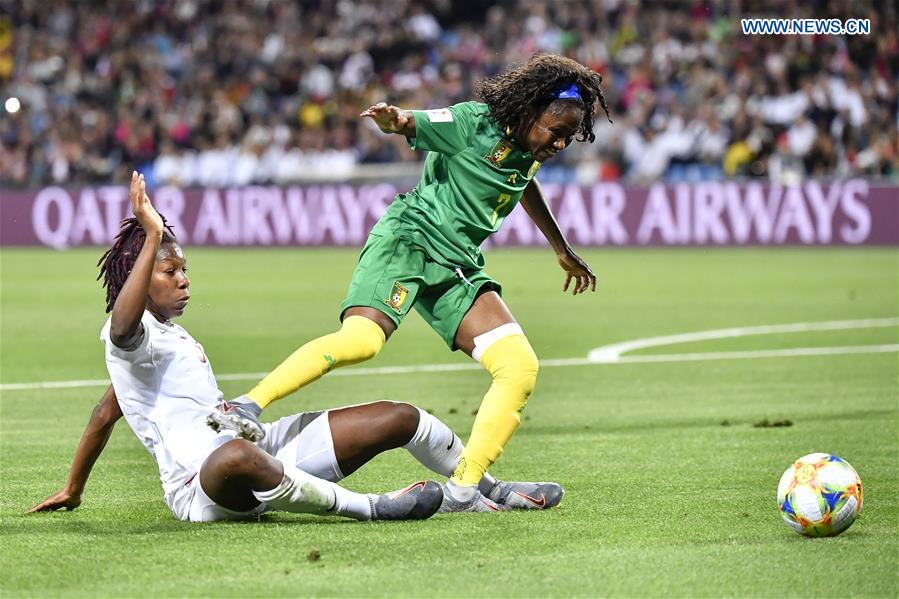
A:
425, 253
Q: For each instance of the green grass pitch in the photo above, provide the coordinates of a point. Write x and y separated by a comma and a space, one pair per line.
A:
670, 486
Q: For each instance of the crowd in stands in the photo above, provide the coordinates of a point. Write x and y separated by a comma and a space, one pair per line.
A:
231, 92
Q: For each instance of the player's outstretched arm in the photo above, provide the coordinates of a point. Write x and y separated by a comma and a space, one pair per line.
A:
129, 306
94, 439
391, 119
574, 266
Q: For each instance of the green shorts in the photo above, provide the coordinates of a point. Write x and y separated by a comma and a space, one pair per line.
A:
393, 275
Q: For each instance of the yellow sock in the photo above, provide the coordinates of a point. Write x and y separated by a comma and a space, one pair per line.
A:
359, 339
512, 363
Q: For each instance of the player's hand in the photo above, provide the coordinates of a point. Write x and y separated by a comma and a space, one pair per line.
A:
63, 499
146, 214
390, 119
577, 271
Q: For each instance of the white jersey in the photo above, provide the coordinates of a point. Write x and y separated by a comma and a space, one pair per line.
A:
166, 389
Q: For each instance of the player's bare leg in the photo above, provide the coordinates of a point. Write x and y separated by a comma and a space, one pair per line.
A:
239, 476
361, 432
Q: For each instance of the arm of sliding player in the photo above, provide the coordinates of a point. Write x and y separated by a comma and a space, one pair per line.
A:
125, 327
96, 434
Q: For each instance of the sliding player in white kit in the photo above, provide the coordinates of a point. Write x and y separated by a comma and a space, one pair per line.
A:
164, 386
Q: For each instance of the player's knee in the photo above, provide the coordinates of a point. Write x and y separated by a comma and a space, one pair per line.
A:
401, 421
366, 335
369, 349
406, 417
238, 458
526, 369
515, 363
531, 368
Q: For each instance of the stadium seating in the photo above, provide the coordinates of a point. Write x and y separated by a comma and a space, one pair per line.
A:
232, 93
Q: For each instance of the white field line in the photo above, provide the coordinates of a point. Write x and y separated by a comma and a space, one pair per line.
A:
761, 353
610, 354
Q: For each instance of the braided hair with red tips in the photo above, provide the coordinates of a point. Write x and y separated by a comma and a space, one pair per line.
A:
116, 264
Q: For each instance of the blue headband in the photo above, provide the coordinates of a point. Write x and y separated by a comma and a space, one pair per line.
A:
569, 93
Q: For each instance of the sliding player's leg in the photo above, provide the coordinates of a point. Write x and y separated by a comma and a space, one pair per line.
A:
332, 444
356, 434
239, 476
438, 448
361, 432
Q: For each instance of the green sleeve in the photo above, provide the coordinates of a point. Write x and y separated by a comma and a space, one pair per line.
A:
446, 130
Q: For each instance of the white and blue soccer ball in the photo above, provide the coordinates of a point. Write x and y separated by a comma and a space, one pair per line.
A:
820, 495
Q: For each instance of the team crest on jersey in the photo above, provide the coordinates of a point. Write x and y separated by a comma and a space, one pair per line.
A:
500, 152
397, 297
535, 166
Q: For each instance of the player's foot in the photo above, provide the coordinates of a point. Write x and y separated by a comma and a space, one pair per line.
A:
416, 502
526, 496
478, 503
239, 416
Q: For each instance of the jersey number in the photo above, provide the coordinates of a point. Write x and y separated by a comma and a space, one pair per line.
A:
501, 202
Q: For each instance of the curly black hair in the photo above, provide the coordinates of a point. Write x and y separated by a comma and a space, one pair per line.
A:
517, 97
116, 264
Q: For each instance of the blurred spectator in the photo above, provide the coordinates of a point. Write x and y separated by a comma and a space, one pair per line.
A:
232, 92
821, 158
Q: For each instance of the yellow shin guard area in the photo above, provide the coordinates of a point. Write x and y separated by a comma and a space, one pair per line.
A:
359, 339
512, 363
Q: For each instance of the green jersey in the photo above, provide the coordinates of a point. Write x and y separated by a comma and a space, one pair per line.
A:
472, 179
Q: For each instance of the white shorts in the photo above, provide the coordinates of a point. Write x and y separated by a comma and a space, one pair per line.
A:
303, 440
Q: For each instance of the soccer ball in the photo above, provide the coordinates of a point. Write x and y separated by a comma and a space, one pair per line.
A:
820, 495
